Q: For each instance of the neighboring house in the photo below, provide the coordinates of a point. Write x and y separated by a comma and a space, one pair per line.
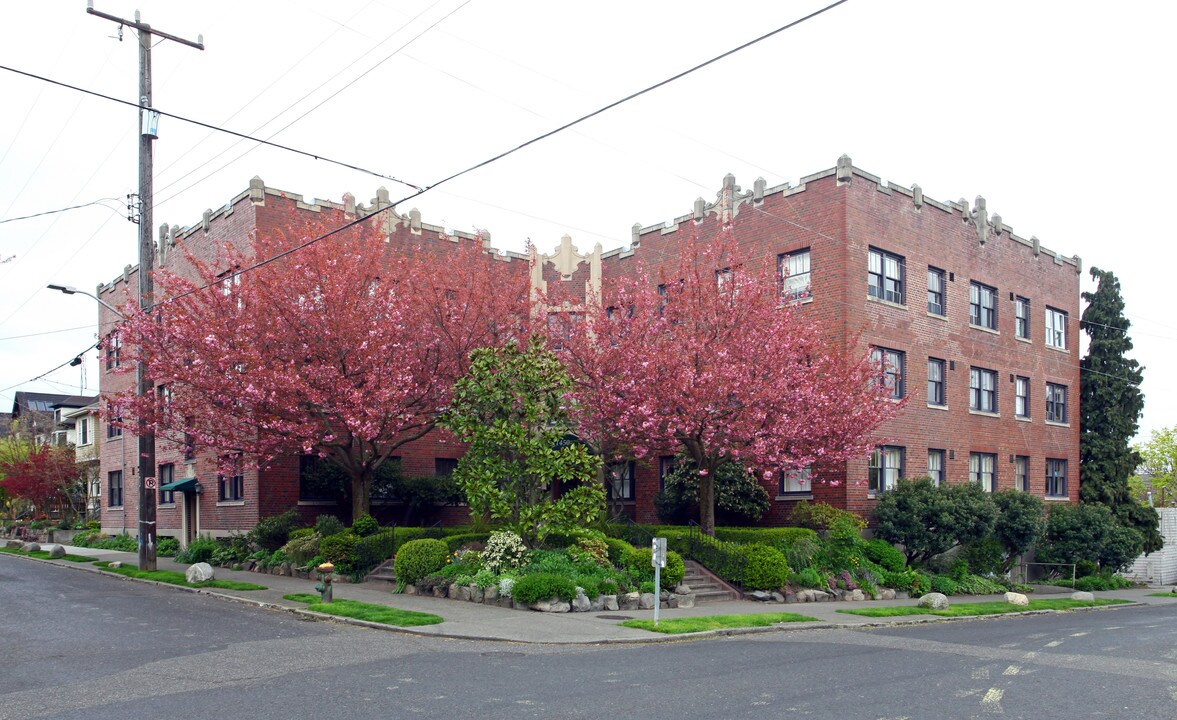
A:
82, 424
977, 325
35, 415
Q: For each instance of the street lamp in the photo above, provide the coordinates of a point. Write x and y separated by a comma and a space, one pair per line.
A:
147, 535
70, 290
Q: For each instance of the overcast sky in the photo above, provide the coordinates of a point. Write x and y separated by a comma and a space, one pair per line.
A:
1054, 111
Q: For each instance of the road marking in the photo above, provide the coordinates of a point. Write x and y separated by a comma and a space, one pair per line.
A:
1078, 634
981, 673
1012, 670
1053, 643
992, 700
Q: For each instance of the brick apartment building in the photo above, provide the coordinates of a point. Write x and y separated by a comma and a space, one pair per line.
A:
975, 324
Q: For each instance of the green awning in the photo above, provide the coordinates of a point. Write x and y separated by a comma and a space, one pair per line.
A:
185, 486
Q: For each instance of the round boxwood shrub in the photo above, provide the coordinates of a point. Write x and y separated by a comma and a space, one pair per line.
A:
619, 551
883, 553
531, 589
766, 568
340, 550
418, 558
365, 525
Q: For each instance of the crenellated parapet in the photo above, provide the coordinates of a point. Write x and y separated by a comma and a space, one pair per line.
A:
730, 200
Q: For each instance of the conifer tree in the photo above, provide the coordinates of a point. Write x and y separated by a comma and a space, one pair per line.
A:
1110, 406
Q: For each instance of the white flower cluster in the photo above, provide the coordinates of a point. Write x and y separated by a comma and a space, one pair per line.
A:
504, 550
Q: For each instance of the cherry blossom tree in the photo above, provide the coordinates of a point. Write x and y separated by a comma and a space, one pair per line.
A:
705, 358
347, 348
45, 476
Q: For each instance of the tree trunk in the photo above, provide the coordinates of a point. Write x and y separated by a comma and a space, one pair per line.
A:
707, 503
361, 487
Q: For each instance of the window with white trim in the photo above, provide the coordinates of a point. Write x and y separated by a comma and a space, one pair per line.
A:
936, 394
1022, 473
890, 370
1056, 328
936, 294
798, 481
1022, 317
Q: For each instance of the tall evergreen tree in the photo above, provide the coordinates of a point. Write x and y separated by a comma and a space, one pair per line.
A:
1110, 406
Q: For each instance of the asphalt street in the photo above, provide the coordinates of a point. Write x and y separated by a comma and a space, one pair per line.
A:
84, 645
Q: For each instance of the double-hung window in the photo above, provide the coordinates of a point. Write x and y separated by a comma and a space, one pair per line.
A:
886, 467
665, 467
982, 390
84, 430
1056, 328
620, 480
795, 275
796, 482
982, 306
936, 466
936, 304
1022, 317
890, 369
936, 382
983, 470
1056, 403
114, 488
885, 276
1022, 473
167, 475
1056, 478
114, 352
232, 487
1022, 397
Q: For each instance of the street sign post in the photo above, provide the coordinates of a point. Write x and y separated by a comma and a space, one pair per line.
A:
658, 560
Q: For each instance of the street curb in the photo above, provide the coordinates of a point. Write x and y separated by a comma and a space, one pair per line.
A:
657, 638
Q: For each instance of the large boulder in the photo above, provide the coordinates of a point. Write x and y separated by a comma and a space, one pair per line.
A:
609, 603
935, 601
686, 601
1018, 599
54, 550
629, 601
14, 544
581, 603
1082, 596
200, 572
646, 601
30, 547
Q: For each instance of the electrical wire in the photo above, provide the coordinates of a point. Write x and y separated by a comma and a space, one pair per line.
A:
64, 209
532, 141
209, 126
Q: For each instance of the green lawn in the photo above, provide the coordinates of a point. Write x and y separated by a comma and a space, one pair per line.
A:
1172, 595
675, 626
981, 608
366, 611
173, 577
44, 555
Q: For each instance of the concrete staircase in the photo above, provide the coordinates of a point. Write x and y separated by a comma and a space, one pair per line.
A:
707, 587
382, 574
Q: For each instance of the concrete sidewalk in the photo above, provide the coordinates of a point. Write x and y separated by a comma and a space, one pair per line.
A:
473, 621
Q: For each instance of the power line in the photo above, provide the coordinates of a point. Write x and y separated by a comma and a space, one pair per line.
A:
532, 141
209, 126
52, 370
61, 210
48, 332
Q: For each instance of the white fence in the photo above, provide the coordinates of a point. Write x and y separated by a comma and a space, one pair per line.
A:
1159, 568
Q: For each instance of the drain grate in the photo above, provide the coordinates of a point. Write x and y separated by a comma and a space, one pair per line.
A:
616, 617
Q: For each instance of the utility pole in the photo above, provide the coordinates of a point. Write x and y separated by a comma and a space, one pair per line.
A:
148, 127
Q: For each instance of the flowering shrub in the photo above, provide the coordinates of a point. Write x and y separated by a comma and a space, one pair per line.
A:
504, 550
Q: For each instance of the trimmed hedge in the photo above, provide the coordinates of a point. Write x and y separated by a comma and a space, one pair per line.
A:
340, 550
766, 568
531, 589
884, 554
373, 550
775, 537
455, 542
419, 558
619, 551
